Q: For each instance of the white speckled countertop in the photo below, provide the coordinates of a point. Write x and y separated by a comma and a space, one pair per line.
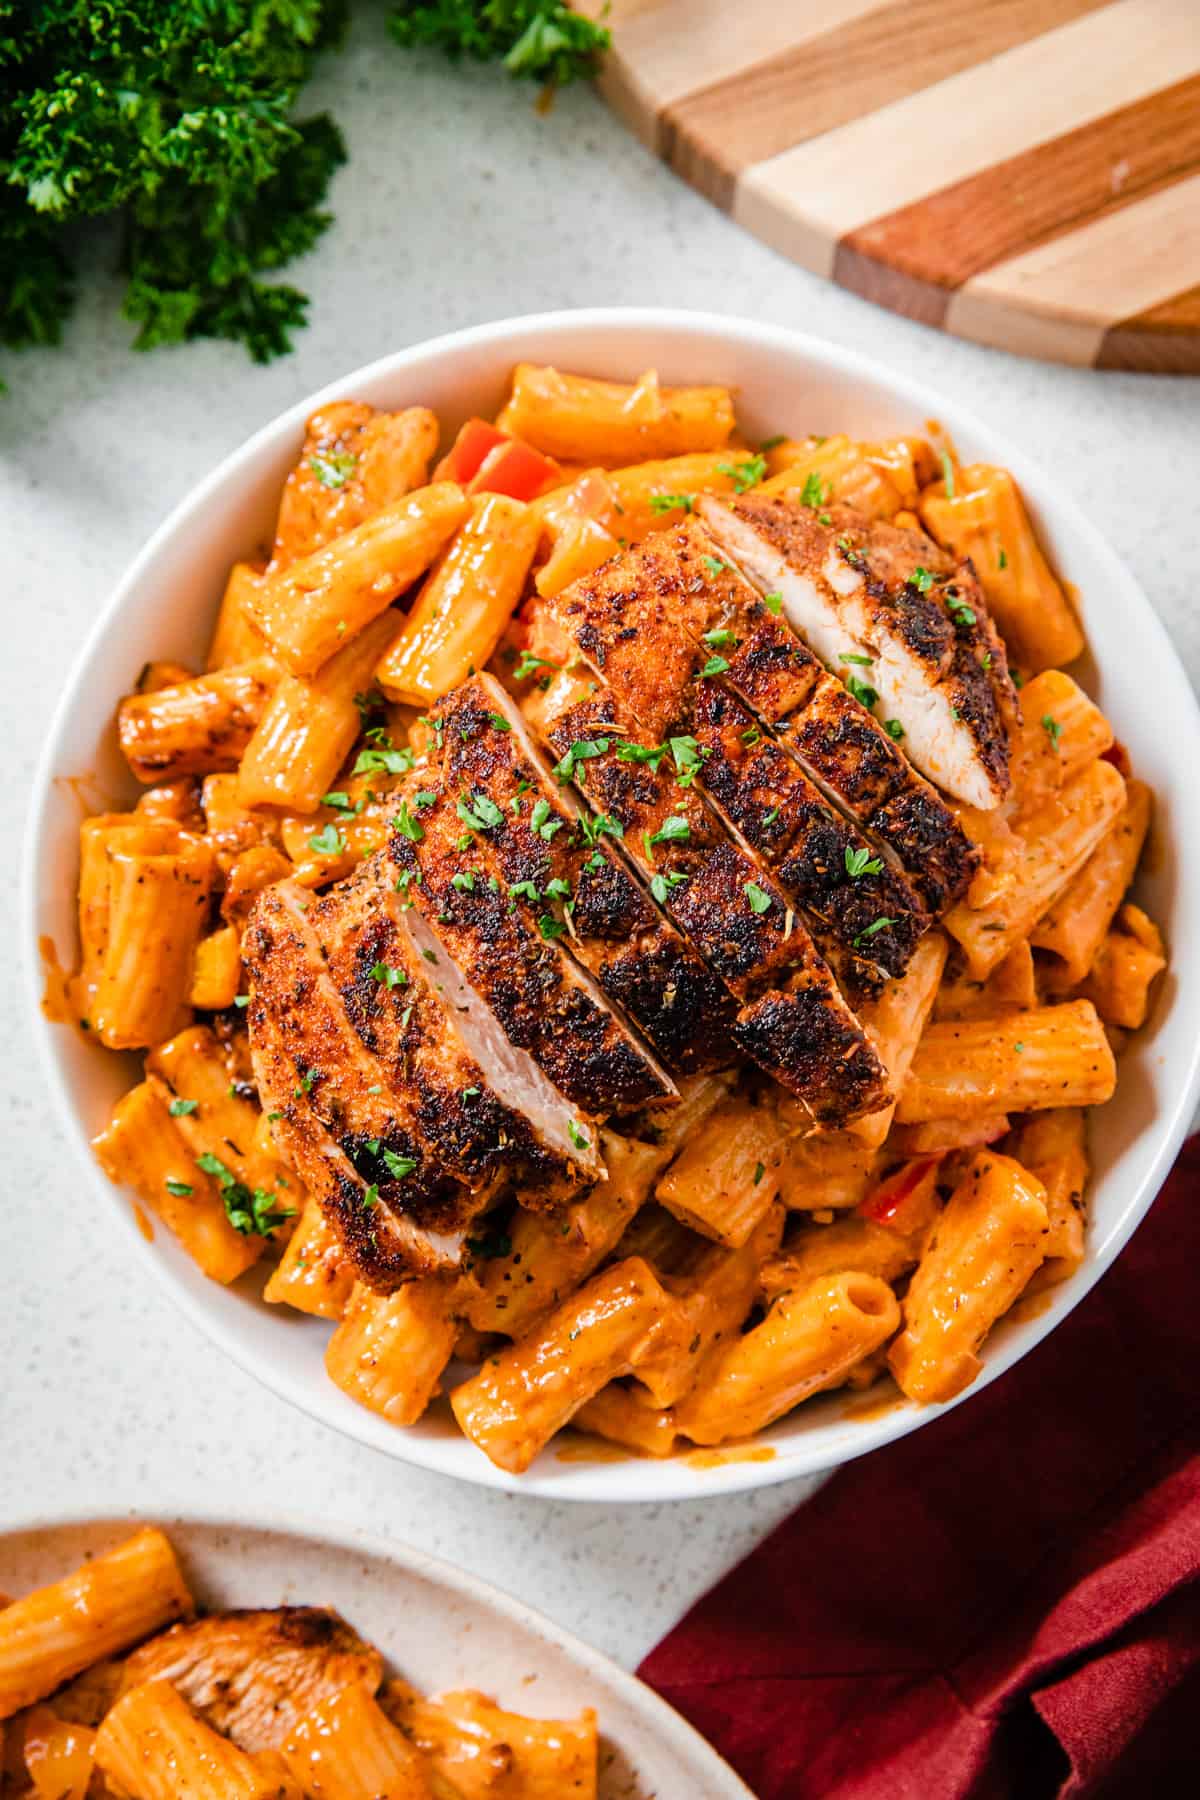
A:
459, 205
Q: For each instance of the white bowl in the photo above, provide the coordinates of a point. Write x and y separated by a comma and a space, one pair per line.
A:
165, 606
437, 1627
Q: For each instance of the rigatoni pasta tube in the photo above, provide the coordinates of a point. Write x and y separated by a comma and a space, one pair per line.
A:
58, 1754
234, 638
216, 970
1053, 1146
104, 1608
1075, 926
987, 1243
348, 1749
152, 1746
578, 419
141, 1148
195, 727
93, 915
726, 1177
212, 1114
623, 1413
313, 1274
833, 468
1120, 979
310, 610
1022, 1062
485, 1753
462, 610
894, 1023
715, 1295
159, 882
523, 1395
389, 1351
809, 1341
984, 518
307, 729
355, 461
852, 1243
1055, 842
643, 493
828, 1169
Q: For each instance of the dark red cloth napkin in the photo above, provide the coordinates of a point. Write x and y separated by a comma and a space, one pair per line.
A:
1006, 1604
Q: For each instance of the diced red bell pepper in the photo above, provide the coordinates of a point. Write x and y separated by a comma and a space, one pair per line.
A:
903, 1200
514, 469
465, 457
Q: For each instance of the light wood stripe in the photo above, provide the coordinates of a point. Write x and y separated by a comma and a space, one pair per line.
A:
896, 49
804, 201
939, 243
1059, 299
1164, 338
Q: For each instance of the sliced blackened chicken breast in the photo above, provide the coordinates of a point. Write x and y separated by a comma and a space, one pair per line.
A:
545, 1003
658, 608
791, 1019
254, 1675
552, 859
892, 614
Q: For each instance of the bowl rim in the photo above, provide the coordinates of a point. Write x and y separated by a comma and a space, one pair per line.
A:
672, 1478
674, 1731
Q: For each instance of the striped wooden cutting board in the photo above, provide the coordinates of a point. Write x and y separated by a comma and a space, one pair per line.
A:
1025, 173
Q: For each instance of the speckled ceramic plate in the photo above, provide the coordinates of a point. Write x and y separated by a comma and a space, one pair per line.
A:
439, 1628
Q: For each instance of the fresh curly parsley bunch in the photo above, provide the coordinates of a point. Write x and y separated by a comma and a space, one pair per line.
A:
178, 116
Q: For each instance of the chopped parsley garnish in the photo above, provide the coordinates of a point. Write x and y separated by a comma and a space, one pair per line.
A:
426, 797
480, 812
558, 889
815, 492
852, 656
714, 565
688, 758
328, 842
1002, 558
759, 1172
383, 758
773, 443
642, 753
370, 1197
720, 638
661, 885
948, 475
716, 665
253, 1214
894, 729
464, 881
342, 802
527, 890
387, 976
398, 1166
960, 612
665, 503
550, 927
180, 1189
407, 826
582, 750
602, 825
1018, 680
745, 475
773, 603
862, 691
1018, 1047
499, 722
541, 821
1052, 729
672, 831
471, 1093
921, 579
860, 862
179, 1109
751, 736
335, 469
528, 664
770, 818
241, 1000
759, 900
577, 1137
870, 931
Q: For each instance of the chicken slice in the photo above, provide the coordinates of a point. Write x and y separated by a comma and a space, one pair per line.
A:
889, 611
657, 608
253, 1675
545, 1003
843, 750
563, 875
791, 1018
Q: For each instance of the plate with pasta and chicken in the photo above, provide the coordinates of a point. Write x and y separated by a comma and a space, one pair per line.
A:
634, 895
205, 1659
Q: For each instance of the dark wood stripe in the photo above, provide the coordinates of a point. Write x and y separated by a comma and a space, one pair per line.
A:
1163, 340
854, 69
944, 239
